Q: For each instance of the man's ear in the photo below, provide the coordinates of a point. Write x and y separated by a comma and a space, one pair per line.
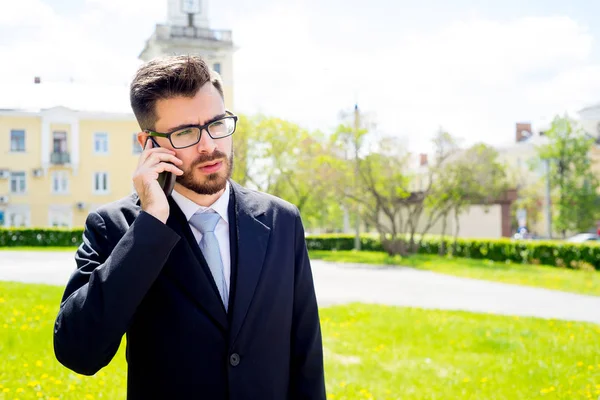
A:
141, 138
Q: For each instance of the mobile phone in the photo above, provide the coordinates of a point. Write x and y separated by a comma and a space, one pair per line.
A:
165, 179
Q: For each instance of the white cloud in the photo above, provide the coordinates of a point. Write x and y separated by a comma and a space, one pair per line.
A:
25, 13
98, 45
138, 10
280, 71
475, 77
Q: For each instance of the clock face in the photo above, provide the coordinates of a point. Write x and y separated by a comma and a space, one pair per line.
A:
190, 6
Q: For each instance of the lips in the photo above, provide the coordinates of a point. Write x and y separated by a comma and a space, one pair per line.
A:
211, 167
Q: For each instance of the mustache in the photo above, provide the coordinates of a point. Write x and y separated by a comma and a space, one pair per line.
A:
205, 158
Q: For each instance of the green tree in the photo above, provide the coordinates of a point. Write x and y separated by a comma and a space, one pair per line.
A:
462, 178
443, 184
290, 162
480, 179
574, 186
378, 182
243, 140
402, 202
344, 149
532, 201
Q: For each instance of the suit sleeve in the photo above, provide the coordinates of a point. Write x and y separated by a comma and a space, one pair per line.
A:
307, 373
102, 295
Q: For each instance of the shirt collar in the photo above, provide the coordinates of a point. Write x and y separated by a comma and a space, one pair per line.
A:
189, 208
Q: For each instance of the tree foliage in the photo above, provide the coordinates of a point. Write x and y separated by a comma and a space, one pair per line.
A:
574, 186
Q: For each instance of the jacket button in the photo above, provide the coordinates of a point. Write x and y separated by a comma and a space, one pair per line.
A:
234, 359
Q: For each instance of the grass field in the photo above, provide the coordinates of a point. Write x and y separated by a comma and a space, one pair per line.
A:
371, 352
575, 281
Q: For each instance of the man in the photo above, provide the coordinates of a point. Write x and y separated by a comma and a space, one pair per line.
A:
212, 285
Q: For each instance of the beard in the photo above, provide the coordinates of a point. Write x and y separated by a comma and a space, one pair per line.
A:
212, 183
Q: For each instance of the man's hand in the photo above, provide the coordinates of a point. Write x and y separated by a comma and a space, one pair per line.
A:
152, 162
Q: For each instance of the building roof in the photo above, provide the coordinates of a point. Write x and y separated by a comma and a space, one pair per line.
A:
93, 98
592, 107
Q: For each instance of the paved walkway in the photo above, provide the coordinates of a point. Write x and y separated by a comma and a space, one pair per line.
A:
343, 283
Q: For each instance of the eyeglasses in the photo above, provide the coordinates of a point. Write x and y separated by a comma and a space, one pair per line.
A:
190, 135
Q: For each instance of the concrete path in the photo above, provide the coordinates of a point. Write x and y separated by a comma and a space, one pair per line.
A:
343, 283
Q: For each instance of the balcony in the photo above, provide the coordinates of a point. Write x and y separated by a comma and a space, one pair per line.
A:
59, 158
193, 32
165, 32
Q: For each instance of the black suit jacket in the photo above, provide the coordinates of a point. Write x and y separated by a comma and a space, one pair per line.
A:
149, 280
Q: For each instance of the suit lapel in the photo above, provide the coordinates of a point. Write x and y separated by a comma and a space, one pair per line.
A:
252, 240
189, 270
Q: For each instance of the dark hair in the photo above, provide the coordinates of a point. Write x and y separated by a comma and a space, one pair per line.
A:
167, 77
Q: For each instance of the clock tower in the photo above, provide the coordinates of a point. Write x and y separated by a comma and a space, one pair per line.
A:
187, 31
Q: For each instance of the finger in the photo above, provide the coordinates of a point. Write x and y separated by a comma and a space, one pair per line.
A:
153, 150
155, 158
148, 145
165, 166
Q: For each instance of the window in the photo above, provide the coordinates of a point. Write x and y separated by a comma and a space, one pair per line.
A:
59, 142
101, 182
17, 182
60, 218
217, 67
101, 143
137, 149
60, 182
17, 220
17, 140
18, 215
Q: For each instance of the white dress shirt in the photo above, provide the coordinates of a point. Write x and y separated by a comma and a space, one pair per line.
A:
221, 207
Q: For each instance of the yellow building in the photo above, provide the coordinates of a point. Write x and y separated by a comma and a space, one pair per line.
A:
67, 148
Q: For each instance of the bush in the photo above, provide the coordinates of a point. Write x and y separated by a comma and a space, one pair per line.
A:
58, 237
342, 242
556, 253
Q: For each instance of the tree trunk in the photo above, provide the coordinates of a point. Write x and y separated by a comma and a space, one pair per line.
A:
456, 220
443, 241
396, 245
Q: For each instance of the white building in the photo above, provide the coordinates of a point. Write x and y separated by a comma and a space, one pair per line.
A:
187, 31
590, 120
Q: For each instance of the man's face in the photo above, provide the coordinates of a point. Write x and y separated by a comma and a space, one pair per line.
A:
208, 164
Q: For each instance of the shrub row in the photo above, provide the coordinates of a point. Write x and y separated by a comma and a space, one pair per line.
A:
46, 237
557, 253
342, 242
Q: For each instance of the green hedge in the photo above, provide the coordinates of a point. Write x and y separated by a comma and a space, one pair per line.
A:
557, 253
55, 237
342, 242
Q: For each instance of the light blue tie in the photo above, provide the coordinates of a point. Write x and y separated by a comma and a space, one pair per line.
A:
206, 223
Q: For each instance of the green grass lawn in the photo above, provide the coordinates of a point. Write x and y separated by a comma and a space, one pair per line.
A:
371, 352
583, 282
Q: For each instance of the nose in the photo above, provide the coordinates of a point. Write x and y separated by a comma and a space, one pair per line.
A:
206, 143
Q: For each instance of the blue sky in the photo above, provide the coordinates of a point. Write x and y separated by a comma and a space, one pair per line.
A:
472, 67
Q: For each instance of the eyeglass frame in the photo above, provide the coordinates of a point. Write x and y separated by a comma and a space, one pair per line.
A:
228, 115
